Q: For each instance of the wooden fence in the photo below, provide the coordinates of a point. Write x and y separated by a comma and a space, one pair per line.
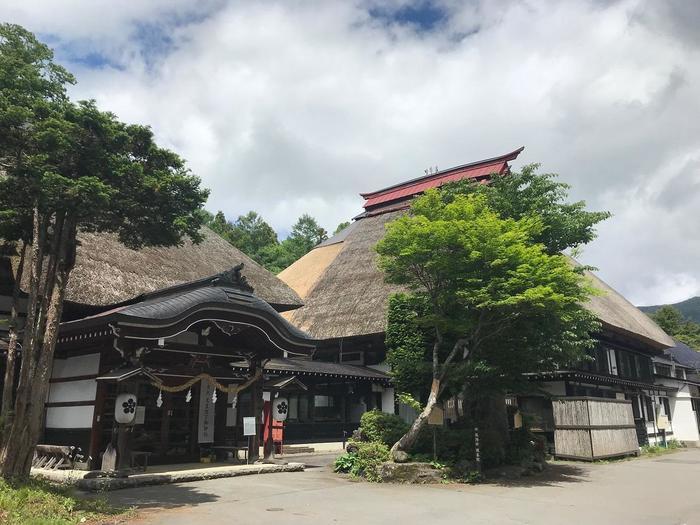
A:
593, 428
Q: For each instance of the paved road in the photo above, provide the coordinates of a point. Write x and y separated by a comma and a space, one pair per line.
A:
665, 490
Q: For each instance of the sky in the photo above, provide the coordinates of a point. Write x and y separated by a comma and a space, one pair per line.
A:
296, 107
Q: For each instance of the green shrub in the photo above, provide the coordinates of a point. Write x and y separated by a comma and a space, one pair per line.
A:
382, 427
368, 458
673, 444
345, 463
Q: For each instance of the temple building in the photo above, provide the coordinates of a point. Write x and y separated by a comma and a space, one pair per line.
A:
194, 334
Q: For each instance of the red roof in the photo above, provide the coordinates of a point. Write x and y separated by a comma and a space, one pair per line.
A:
479, 170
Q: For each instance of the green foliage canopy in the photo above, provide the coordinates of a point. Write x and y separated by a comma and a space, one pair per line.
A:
341, 227
676, 325
486, 282
256, 238
528, 193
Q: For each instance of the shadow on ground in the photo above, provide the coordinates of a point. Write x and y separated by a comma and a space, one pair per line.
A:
157, 496
554, 474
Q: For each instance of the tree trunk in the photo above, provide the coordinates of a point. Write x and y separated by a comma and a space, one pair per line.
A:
43, 318
409, 438
405, 444
11, 366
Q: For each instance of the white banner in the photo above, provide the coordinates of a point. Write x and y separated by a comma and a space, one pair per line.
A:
205, 430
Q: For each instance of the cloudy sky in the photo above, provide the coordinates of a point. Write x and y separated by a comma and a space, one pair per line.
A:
291, 107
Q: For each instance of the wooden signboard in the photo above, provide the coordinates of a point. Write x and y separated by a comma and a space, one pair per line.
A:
437, 417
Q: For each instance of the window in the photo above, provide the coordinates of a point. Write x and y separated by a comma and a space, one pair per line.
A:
635, 406
680, 373
650, 408
666, 407
352, 358
326, 408
644, 368
662, 370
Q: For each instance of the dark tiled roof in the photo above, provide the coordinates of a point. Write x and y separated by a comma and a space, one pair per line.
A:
684, 355
172, 306
322, 368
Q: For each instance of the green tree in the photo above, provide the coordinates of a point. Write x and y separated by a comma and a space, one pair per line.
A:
251, 234
528, 193
31, 88
341, 227
498, 304
306, 234
219, 224
672, 321
74, 168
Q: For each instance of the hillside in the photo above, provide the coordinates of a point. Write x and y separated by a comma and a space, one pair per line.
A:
690, 308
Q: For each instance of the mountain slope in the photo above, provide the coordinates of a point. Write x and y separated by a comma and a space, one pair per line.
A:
690, 308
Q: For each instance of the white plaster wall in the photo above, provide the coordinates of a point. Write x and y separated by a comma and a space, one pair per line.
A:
69, 417
685, 427
683, 423
73, 391
388, 400
81, 365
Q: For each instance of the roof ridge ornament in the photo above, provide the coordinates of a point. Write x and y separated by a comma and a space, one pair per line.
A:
233, 277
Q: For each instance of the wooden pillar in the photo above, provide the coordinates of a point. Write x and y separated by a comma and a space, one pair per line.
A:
96, 431
256, 403
268, 446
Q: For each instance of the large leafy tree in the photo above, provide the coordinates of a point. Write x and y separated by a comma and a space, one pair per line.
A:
252, 234
32, 86
672, 321
527, 193
75, 168
496, 302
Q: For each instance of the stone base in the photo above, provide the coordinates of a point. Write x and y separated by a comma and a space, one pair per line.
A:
83, 481
421, 473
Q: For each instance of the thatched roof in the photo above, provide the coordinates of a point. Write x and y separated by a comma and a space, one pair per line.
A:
107, 272
345, 294
619, 315
343, 290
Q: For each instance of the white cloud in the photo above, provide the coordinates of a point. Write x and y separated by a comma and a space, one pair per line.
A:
294, 106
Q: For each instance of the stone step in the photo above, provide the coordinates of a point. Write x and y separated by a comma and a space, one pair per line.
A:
297, 449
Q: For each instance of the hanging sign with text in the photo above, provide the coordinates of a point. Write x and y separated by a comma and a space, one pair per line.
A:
205, 430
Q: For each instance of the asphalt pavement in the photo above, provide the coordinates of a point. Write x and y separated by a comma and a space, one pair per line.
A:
654, 491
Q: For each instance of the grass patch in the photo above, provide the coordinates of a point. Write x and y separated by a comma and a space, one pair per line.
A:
656, 450
37, 502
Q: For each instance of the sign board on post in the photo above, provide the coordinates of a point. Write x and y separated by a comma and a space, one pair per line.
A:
437, 416
249, 426
662, 422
